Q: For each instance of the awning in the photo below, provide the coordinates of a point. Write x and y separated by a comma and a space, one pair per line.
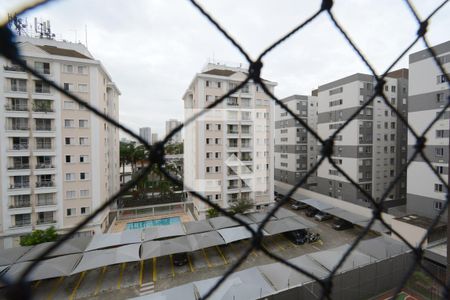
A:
283, 225
346, 215
222, 222
330, 258
317, 204
100, 258
197, 226
304, 221
71, 246
164, 231
205, 240
185, 292
284, 213
11, 255
152, 249
382, 247
282, 277
258, 217
107, 240
242, 285
244, 218
236, 233
48, 268
376, 226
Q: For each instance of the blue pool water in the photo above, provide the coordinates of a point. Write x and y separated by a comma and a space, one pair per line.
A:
150, 223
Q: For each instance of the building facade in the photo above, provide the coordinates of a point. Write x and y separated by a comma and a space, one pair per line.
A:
171, 125
371, 149
428, 93
229, 150
146, 134
155, 138
295, 147
58, 162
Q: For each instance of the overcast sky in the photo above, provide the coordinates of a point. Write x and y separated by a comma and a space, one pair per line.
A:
152, 49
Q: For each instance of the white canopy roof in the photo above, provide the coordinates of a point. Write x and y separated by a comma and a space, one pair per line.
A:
205, 240
283, 225
152, 249
197, 226
71, 246
107, 240
236, 233
11, 255
164, 231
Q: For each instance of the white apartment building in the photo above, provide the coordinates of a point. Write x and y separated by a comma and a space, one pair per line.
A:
428, 93
58, 162
229, 151
171, 125
372, 147
146, 134
295, 147
155, 138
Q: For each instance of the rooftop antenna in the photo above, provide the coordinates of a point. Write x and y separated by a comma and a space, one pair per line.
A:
43, 29
85, 35
19, 25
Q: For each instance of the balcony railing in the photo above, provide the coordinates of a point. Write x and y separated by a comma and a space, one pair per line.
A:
246, 158
20, 147
14, 68
41, 184
23, 185
45, 202
44, 166
19, 167
18, 127
232, 145
44, 147
41, 107
22, 223
44, 128
20, 204
233, 131
246, 145
46, 221
233, 186
16, 107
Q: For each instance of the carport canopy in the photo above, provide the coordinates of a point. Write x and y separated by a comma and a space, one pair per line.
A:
236, 233
320, 205
197, 226
347, 215
376, 226
45, 269
283, 225
100, 258
204, 240
164, 231
282, 213
107, 240
11, 255
152, 249
185, 292
258, 217
382, 247
222, 222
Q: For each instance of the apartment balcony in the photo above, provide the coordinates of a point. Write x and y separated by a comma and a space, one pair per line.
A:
232, 145
45, 128
43, 109
14, 68
16, 107
45, 184
44, 166
45, 221
232, 187
233, 131
17, 128
18, 186
46, 202
246, 145
19, 167
19, 224
20, 204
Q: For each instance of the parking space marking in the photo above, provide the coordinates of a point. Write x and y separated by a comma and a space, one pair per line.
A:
77, 285
206, 258
100, 281
154, 269
247, 243
172, 268
55, 288
221, 254
191, 267
122, 269
141, 272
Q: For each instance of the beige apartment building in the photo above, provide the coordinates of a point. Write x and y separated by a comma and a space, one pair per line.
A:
58, 161
229, 151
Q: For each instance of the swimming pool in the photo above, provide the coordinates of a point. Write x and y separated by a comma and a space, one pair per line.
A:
150, 223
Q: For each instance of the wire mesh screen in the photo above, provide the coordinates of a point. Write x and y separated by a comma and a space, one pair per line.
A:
156, 152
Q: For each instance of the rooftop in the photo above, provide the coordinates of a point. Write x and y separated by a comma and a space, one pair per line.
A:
418, 221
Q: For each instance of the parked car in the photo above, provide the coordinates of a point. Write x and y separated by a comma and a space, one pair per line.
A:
180, 259
311, 212
298, 237
322, 216
278, 198
298, 205
341, 224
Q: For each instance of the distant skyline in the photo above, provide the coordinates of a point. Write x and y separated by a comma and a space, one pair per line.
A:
153, 49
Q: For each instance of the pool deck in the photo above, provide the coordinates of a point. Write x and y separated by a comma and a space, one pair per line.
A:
121, 225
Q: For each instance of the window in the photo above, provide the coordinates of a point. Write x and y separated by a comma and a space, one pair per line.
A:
437, 205
71, 212
18, 85
68, 123
69, 159
82, 69
69, 86
438, 187
207, 82
207, 127
82, 88
84, 176
69, 141
441, 79
84, 141
440, 169
70, 176
84, 193
217, 141
68, 104
439, 151
83, 123
71, 194
84, 210
42, 67
439, 97
68, 68
217, 154
441, 133
393, 89
41, 87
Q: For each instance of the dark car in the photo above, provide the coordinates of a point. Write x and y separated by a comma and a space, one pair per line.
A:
298, 205
311, 212
180, 259
341, 224
322, 216
298, 237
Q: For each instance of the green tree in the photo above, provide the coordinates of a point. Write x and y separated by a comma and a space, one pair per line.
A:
212, 213
39, 236
240, 206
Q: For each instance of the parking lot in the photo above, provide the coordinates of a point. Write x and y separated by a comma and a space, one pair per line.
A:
133, 279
